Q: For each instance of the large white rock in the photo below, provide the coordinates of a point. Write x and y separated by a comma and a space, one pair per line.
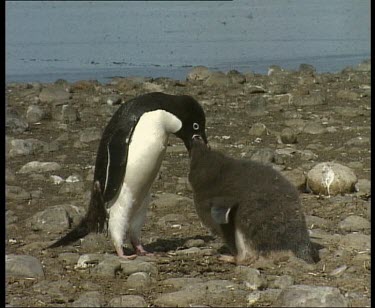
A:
38, 167
329, 178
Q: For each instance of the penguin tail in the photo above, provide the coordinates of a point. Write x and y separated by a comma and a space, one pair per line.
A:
94, 221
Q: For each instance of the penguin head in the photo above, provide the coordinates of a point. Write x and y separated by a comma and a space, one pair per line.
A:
193, 119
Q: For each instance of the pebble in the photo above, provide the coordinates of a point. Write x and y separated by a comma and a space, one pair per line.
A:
358, 141
341, 178
16, 193
129, 267
21, 147
179, 283
70, 258
90, 134
283, 282
38, 167
139, 281
23, 266
54, 94
72, 188
311, 296
363, 187
354, 223
338, 271
108, 267
89, 299
34, 114
317, 222
56, 179
128, 301
53, 219
14, 122
217, 79
308, 100
194, 243
288, 136
268, 295
258, 130
314, 128
251, 277
65, 113
356, 241
198, 73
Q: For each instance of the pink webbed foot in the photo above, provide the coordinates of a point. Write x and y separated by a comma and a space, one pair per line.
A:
120, 253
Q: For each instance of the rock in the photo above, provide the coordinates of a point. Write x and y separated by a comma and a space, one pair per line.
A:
311, 296
54, 94
347, 95
72, 188
128, 301
341, 178
251, 277
317, 222
359, 141
108, 267
258, 130
309, 100
53, 219
16, 193
288, 135
296, 177
56, 290
179, 283
363, 187
264, 155
356, 241
251, 89
70, 258
257, 106
354, 223
65, 113
338, 271
139, 281
296, 123
236, 77
14, 122
171, 221
34, 114
90, 134
23, 266
365, 66
283, 282
217, 79
10, 217
9, 176
307, 68
89, 299
114, 100
89, 260
194, 243
257, 296
39, 167
199, 73
168, 200
134, 266
21, 147
56, 179
314, 128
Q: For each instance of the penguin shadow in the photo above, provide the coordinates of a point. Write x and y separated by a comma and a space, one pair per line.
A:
164, 245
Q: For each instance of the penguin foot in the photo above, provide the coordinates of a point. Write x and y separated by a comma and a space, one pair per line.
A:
140, 251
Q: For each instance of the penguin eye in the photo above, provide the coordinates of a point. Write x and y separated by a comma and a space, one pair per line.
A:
195, 126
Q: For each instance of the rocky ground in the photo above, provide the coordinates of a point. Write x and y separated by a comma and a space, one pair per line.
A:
291, 119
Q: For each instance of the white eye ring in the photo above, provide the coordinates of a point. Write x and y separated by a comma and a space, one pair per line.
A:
195, 126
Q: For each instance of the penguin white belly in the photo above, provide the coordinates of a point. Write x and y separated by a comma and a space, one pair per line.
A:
146, 152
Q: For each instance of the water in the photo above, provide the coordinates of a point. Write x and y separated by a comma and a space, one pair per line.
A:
72, 40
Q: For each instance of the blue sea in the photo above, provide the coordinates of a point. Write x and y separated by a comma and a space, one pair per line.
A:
75, 40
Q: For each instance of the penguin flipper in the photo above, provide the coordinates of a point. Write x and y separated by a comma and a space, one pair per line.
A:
221, 208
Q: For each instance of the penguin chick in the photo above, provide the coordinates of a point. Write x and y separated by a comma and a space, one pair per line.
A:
129, 156
254, 208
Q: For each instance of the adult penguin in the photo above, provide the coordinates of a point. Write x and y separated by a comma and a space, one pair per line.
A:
129, 156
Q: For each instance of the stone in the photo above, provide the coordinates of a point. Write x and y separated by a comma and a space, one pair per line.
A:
169, 201
65, 113
139, 281
264, 155
317, 222
108, 267
52, 219
236, 77
54, 94
257, 296
22, 147
16, 193
288, 136
296, 177
194, 243
199, 73
39, 167
23, 266
90, 134
14, 122
258, 130
365, 66
347, 95
309, 100
257, 106
89, 260
70, 258
9, 176
314, 128
10, 217
129, 267
331, 176
311, 296
363, 187
72, 188
283, 282
179, 283
251, 277
359, 141
356, 241
34, 114
217, 79
354, 223
128, 301
89, 299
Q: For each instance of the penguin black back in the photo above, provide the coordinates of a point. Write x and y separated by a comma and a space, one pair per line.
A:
252, 206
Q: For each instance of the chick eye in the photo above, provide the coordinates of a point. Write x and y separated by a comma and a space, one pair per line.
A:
195, 126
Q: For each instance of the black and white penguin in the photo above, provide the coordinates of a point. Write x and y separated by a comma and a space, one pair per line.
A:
253, 207
129, 156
